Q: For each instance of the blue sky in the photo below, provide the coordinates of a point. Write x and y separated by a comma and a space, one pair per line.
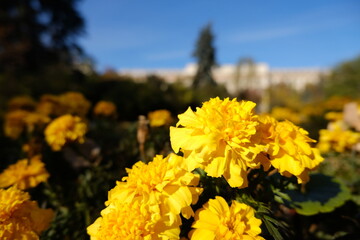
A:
125, 34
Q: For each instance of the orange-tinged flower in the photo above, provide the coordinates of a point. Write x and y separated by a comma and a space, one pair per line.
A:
105, 108
24, 174
64, 129
134, 220
160, 118
163, 180
34, 120
67, 103
74, 103
21, 218
14, 123
217, 138
49, 105
216, 220
18, 121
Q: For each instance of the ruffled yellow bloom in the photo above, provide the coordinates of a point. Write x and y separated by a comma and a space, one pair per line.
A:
289, 150
24, 174
163, 180
217, 138
18, 121
21, 218
105, 108
159, 118
216, 220
134, 220
337, 138
65, 129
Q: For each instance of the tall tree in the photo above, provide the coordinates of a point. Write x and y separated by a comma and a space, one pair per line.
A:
205, 54
35, 33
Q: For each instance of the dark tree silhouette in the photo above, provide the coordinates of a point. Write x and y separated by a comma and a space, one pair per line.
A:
35, 33
205, 54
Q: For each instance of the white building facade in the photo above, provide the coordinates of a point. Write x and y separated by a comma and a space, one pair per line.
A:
236, 78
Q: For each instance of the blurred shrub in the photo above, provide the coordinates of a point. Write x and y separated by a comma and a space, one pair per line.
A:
344, 80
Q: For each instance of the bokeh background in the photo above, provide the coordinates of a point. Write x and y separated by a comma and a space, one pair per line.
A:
298, 61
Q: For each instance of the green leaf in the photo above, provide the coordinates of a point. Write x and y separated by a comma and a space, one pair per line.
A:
323, 194
270, 224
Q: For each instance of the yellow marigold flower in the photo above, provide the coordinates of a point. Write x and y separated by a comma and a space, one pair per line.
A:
21, 218
21, 102
217, 138
24, 174
49, 105
159, 118
105, 108
162, 180
14, 123
337, 139
65, 129
216, 220
74, 103
19, 120
290, 151
284, 113
34, 120
133, 220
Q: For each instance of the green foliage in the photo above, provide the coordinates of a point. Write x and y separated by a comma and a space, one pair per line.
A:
283, 95
344, 79
346, 167
321, 194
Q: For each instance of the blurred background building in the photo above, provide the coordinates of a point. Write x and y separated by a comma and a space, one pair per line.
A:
238, 77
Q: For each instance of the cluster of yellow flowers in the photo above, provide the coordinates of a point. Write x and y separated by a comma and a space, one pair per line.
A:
25, 115
105, 108
66, 103
148, 202
337, 137
226, 138
69, 110
24, 174
21, 218
17, 121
